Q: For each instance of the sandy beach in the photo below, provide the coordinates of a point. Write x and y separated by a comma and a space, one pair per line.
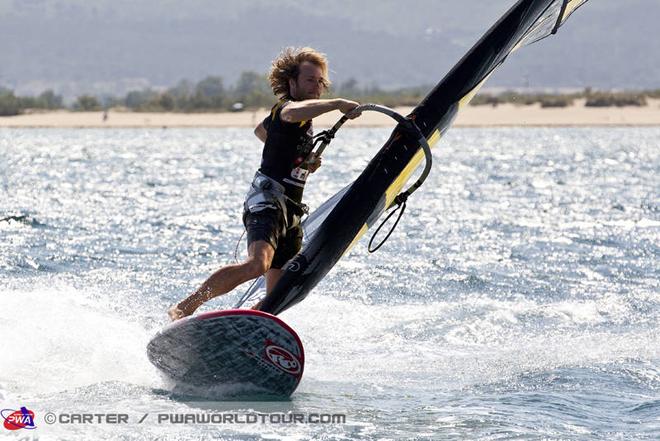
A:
473, 116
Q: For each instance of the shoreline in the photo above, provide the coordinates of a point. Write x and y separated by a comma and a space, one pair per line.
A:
504, 115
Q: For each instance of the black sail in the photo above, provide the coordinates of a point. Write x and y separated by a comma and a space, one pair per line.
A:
359, 206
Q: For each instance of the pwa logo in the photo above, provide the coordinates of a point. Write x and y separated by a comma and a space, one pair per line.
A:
283, 359
18, 419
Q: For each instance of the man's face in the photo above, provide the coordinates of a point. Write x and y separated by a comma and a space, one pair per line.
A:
309, 84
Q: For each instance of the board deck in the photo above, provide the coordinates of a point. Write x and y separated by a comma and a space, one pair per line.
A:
245, 350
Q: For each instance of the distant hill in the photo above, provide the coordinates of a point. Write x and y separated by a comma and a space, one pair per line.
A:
112, 46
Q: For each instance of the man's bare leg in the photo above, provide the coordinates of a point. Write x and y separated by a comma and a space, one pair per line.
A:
272, 277
260, 257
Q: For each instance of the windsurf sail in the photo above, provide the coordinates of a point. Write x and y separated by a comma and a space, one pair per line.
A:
339, 223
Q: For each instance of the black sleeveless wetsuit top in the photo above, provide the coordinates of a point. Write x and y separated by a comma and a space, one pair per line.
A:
284, 151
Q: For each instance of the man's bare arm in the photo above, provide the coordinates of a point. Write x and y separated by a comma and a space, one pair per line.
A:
297, 111
261, 132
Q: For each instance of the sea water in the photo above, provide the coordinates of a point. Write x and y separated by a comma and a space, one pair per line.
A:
519, 297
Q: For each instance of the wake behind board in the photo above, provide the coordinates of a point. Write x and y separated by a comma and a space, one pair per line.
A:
247, 351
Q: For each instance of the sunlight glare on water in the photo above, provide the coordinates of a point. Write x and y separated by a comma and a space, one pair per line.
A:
517, 298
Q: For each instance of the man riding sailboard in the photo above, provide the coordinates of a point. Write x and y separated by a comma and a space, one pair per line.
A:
273, 206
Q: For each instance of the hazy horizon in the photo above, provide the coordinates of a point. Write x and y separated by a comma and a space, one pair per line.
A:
111, 47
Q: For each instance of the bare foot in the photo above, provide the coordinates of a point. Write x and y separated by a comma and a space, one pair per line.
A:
176, 313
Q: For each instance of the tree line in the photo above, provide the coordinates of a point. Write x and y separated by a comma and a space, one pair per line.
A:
591, 98
252, 91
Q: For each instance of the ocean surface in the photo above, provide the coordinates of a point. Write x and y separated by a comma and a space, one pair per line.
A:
519, 297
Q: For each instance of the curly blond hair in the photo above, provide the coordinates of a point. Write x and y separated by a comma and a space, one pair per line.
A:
287, 66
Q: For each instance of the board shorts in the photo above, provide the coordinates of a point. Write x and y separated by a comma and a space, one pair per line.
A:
267, 225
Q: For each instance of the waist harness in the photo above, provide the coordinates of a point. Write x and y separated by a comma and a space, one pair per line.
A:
266, 193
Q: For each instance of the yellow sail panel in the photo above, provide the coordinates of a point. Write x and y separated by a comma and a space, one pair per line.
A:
357, 237
571, 6
468, 96
395, 188
397, 185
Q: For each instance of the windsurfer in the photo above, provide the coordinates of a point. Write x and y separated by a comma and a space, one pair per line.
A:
273, 205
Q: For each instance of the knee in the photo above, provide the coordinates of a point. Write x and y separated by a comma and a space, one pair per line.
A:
257, 267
